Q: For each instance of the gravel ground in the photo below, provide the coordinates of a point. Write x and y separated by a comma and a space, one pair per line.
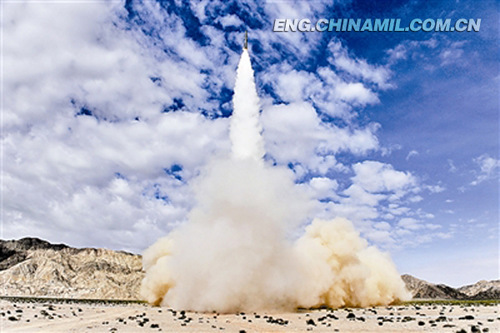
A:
101, 317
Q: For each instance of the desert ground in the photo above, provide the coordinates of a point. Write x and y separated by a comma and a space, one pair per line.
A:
55, 316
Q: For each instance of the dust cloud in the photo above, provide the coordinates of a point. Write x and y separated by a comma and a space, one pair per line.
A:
237, 251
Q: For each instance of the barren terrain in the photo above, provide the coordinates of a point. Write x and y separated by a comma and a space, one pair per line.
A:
53, 316
34, 269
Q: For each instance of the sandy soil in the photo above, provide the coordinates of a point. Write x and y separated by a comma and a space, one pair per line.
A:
77, 317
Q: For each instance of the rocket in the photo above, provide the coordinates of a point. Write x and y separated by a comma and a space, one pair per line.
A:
245, 46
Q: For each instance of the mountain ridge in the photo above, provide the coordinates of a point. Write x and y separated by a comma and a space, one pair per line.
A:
34, 267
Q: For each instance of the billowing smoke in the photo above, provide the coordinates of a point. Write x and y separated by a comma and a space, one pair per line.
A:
245, 126
237, 252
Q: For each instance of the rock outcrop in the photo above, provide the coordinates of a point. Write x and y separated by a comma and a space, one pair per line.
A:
33, 267
482, 290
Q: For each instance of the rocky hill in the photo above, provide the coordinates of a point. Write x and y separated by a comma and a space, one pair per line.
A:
479, 291
33, 267
482, 290
425, 290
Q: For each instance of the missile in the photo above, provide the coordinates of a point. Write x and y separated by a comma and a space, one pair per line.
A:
245, 46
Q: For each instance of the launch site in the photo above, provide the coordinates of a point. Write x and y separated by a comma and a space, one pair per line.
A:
182, 166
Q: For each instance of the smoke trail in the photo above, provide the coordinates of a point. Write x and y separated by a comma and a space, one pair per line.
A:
233, 254
245, 128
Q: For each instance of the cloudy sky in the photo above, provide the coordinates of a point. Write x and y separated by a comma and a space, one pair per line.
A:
110, 109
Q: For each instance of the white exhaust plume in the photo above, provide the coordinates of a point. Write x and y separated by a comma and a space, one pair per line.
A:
245, 130
235, 253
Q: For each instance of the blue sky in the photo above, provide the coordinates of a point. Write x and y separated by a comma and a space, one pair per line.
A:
110, 109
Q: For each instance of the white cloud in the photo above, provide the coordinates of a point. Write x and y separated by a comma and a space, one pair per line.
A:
452, 167
356, 67
293, 85
488, 169
413, 232
66, 176
323, 187
411, 49
375, 176
433, 226
357, 195
379, 202
230, 21
399, 52
295, 133
381, 237
411, 154
325, 88
452, 53
350, 92
409, 224
355, 93
98, 67
416, 198
396, 209
65, 181
382, 226
430, 54
435, 188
